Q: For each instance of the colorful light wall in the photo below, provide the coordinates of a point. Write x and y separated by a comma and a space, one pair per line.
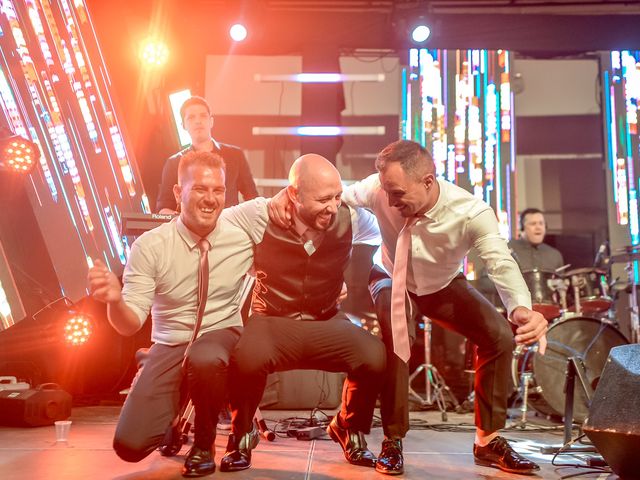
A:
459, 105
621, 94
56, 91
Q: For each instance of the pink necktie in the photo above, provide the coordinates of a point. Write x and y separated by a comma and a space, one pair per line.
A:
399, 330
203, 290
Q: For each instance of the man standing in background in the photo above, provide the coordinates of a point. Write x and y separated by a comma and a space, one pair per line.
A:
198, 121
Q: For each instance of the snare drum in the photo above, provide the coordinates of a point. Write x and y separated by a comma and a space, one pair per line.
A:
543, 296
593, 290
587, 338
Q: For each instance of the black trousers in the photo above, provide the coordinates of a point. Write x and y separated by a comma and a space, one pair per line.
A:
461, 308
394, 394
161, 386
272, 344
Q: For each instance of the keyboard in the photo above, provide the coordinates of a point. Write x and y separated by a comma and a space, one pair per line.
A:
137, 223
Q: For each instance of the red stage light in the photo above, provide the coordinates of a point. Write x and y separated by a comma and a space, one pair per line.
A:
18, 154
77, 329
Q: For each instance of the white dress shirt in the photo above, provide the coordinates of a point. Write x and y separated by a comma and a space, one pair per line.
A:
161, 275
442, 238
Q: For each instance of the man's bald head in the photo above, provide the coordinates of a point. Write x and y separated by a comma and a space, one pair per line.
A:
311, 168
315, 190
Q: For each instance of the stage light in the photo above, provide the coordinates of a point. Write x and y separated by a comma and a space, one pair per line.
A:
77, 328
154, 53
320, 131
320, 77
18, 154
420, 33
238, 32
73, 345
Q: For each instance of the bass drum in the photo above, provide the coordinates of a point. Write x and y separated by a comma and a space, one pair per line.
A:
586, 338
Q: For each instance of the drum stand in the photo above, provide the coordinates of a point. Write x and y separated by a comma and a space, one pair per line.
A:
435, 386
526, 378
561, 286
631, 256
577, 283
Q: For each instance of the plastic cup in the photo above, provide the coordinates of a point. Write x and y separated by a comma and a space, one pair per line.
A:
62, 430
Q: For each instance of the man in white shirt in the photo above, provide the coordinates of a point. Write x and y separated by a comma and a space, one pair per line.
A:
161, 276
450, 221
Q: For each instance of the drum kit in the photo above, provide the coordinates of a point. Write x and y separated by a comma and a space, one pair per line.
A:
579, 305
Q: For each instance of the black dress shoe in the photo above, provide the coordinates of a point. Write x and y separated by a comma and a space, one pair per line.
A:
238, 454
198, 463
499, 454
390, 460
172, 441
353, 444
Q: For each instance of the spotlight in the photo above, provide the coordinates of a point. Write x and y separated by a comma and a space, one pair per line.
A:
77, 329
238, 32
18, 154
420, 33
154, 53
73, 345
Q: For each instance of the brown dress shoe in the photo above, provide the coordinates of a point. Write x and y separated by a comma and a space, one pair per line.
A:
390, 461
353, 444
499, 454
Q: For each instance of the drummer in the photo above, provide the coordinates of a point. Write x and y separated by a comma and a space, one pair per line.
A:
529, 250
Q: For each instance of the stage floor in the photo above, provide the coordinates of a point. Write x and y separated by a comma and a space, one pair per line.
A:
433, 449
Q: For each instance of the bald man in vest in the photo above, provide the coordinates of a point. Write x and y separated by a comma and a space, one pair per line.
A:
296, 322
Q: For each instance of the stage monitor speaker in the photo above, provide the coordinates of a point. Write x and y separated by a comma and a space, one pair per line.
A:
35, 407
613, 424
302, 389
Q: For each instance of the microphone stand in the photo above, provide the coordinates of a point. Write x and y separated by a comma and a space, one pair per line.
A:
575, 368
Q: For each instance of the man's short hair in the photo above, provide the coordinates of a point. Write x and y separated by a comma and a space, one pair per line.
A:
194, 100
414, 159
525, 212
203, 159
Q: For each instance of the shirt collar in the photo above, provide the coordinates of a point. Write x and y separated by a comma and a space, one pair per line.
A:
190, 238
299, 226
216, 146
433, 212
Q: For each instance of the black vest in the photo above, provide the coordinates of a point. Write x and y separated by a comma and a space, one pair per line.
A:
291, 283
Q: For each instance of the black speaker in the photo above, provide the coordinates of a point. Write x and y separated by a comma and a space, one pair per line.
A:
613, 424
34, 407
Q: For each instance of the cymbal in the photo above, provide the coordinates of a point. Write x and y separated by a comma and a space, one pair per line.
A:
626, 257
620, 286
628, 248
